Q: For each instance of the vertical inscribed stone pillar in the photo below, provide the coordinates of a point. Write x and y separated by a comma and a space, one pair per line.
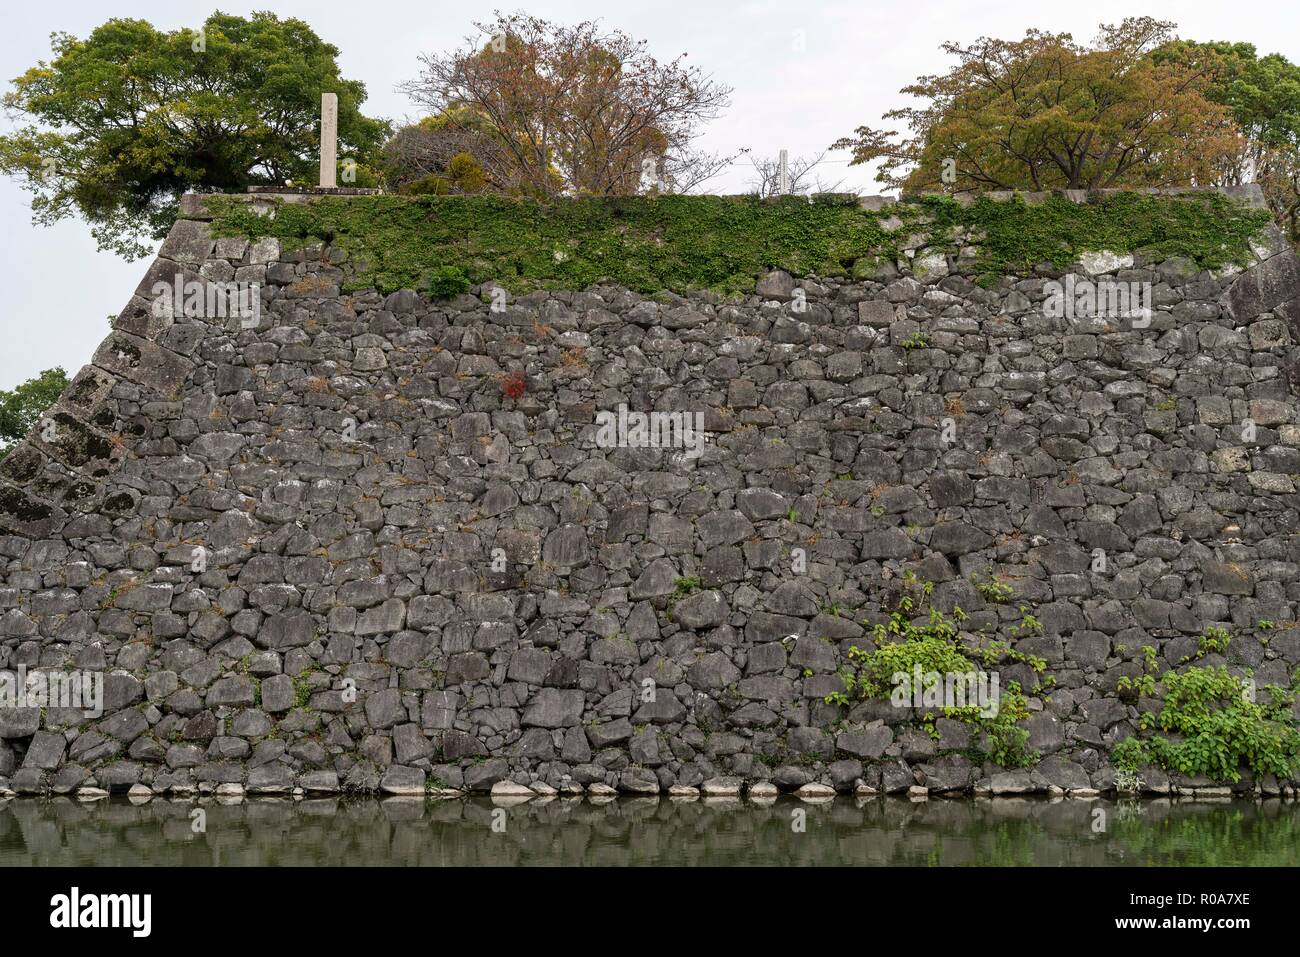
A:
329, 139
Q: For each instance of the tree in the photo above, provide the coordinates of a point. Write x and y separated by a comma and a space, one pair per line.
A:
442, 156
21, 408
120, 124
802, 175
561, 109
1263, 95
1045, 112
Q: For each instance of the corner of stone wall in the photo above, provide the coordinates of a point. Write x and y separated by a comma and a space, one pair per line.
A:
62, 466
1267, 295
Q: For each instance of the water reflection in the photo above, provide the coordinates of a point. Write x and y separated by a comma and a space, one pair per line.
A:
878, 831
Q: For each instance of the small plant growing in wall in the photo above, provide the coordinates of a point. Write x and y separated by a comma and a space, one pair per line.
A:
1212, 722
994, 591
1214, 640
1143, 685
932, 642
684, 585
1128, 780
1029, 625
514, 385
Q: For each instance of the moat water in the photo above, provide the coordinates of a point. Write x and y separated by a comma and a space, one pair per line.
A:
623, 831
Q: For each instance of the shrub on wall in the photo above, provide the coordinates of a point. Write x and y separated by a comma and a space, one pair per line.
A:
931, 642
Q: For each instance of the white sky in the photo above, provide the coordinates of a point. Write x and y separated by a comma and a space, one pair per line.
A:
855, 58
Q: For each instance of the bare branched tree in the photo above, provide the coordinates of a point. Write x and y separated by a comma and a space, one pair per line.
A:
687, 171
802, 172
572, 110
432, 148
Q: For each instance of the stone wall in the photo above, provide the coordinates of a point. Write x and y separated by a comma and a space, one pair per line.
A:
347, 470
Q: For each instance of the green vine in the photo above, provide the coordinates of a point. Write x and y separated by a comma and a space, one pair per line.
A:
1214, 722
446, 244
933, 642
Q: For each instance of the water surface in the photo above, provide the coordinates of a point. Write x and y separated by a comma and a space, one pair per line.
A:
632, 831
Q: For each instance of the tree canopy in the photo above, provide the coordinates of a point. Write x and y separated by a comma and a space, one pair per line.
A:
450, 153
546, 109
1263, 95
1046, 112
120, 124
21, 407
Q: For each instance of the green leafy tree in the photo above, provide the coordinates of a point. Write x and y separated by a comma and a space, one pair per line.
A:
1263, 95
21, 407
119, 125
1046, 112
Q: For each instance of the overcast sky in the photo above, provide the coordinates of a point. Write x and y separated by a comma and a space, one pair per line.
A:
804, 74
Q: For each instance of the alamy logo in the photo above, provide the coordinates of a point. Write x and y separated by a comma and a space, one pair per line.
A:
1073, 298
209, 300
79, 690
951, 689
74, 910
651, 430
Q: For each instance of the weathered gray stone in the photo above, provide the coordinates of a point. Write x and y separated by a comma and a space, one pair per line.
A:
706, 609
398, 779
459, 584
553, 708
384, 708
869, 742
45, 751
1264, 286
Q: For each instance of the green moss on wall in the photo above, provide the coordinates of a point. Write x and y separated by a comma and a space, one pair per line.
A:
720, 243
1210, 230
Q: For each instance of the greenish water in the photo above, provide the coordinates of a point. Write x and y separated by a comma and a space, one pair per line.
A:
878, 831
